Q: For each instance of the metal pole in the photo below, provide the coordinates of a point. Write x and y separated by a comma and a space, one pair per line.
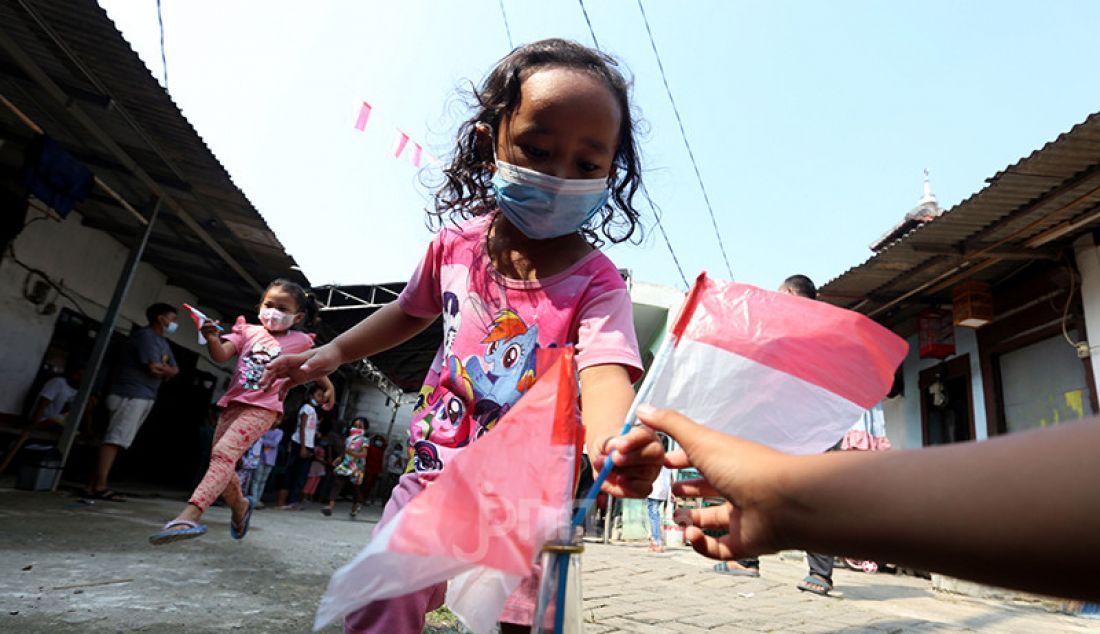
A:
393, 419
102, 340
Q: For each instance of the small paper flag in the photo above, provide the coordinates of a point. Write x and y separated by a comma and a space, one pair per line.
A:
199, 318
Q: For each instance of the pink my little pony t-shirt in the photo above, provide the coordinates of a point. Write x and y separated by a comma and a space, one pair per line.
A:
492, 326
256, 347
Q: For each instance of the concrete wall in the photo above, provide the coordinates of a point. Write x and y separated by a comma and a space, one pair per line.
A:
903, 425
87, 263
366, 400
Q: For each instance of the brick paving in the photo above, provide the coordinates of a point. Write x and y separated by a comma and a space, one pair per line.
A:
628, 589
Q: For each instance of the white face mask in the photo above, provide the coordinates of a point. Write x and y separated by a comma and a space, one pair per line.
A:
276, 320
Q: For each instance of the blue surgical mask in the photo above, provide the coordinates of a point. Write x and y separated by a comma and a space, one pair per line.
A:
543, 206
171, 327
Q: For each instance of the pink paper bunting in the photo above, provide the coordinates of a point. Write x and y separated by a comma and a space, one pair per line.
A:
364, 114
399, 145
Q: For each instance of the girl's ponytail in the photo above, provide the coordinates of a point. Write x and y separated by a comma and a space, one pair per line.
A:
312, 308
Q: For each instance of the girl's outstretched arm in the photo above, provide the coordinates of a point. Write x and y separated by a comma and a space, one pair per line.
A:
1016, 511
606, 394
389, 326
220, 351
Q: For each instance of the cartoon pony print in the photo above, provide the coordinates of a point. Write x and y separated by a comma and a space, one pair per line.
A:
426, 456
452, 322
509, 369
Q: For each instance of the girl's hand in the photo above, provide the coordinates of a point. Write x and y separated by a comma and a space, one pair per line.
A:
638, 457
210, 330
328, 394
301, 368
745, 473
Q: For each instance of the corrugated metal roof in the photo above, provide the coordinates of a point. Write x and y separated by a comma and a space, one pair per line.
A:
82, 51
985, 236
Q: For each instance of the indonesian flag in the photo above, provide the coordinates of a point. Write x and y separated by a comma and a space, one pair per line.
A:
484, 520
199, 318
786, 371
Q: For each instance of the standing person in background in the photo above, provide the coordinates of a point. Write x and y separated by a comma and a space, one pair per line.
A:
333, 444
350, 466
315, 475
661, 493
396, 461
250, 460
147, 362
820, 578
376, 454
269, 453
282, 473
302, 443
52, 402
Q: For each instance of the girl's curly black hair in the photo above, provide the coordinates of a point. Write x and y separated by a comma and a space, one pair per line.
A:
466, 191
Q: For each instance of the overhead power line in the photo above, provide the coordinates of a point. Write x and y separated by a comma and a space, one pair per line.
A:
163, 58
645, 192
591, 31
507, 29
683, 135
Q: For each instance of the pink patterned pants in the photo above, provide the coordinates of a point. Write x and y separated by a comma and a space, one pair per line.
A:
238, 429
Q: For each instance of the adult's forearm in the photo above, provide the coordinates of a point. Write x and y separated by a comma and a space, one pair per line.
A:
1020, 510
389, 326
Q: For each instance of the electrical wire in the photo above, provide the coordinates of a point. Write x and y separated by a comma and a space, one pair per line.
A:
1065, 311
652, 205
507, 29
683, 135
163, 58
664, 234
591, 31
57, 287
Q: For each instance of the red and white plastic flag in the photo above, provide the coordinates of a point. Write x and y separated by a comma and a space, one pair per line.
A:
485, 518
785, 371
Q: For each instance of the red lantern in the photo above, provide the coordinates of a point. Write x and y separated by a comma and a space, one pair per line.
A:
936, 334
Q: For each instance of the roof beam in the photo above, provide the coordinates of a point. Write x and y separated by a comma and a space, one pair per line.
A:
86, 96
47, 83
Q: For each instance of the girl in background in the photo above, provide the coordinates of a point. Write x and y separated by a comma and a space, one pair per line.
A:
248, 408
351, 466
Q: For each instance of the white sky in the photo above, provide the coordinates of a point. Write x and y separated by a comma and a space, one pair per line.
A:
811, 121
